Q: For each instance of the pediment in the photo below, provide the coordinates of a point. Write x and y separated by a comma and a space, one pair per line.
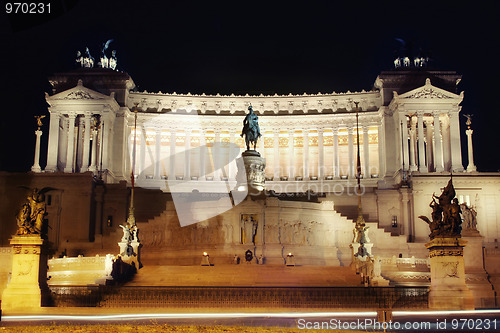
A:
79, 93
428, 91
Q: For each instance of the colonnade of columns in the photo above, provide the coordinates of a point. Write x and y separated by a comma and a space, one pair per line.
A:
76, 143
162, 166
434, 147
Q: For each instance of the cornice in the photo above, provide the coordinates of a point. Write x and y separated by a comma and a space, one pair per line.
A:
315, 103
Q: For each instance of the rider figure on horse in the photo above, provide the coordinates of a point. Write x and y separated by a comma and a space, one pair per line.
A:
251, 129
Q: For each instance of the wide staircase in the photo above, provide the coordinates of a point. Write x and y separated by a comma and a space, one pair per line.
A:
242, 288
246, 275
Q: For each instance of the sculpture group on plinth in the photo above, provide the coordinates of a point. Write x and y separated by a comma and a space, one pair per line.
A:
448, 289
28, 288
31, 217
446, 220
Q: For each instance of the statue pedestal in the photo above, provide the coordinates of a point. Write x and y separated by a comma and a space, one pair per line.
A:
28, 288
252, 177
129, 253
448, 290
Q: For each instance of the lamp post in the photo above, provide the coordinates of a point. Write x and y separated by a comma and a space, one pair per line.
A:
360, 221
131, 216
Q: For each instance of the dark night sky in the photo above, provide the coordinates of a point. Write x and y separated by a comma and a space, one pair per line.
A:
247, 47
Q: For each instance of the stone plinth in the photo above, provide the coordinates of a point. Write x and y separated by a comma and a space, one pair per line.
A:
448, 290
252, 177
476, 276
129, 253
27, 289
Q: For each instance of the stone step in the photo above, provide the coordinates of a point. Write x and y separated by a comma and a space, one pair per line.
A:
246, 275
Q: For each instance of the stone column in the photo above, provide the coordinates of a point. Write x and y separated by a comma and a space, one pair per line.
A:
36, 162
203, 151
86, 144
157, 164
53, 146
429, 146
366, 153
93, 155
171, 175
79, 143
216, 155
276, 150
448, 290
471, 167
291, 173
336, 159
142, 156
260, 142
71, 144
27, 289
187, 154
422, 167
350, 142
456, 152
305, 154
99, 146
445, 131
438, 144
406, 155
413, 131
107, 129
321, 155
232, 163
